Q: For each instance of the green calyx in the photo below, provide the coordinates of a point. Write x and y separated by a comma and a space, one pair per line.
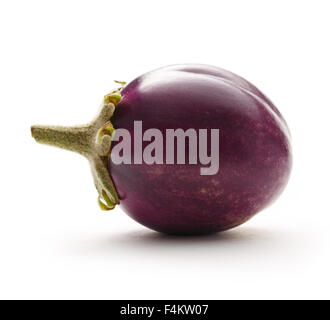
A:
93, 141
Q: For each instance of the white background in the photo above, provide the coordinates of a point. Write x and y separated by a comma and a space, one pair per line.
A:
58, 59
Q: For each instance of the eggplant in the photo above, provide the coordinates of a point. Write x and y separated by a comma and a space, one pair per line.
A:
184, 149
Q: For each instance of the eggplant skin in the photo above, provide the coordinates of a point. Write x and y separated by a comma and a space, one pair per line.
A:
255, 157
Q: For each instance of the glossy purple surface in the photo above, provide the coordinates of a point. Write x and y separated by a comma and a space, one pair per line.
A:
255, 152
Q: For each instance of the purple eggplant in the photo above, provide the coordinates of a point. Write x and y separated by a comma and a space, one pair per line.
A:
254, 149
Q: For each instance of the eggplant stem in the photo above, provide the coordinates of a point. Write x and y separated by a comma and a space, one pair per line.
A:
92, 141
76, 139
